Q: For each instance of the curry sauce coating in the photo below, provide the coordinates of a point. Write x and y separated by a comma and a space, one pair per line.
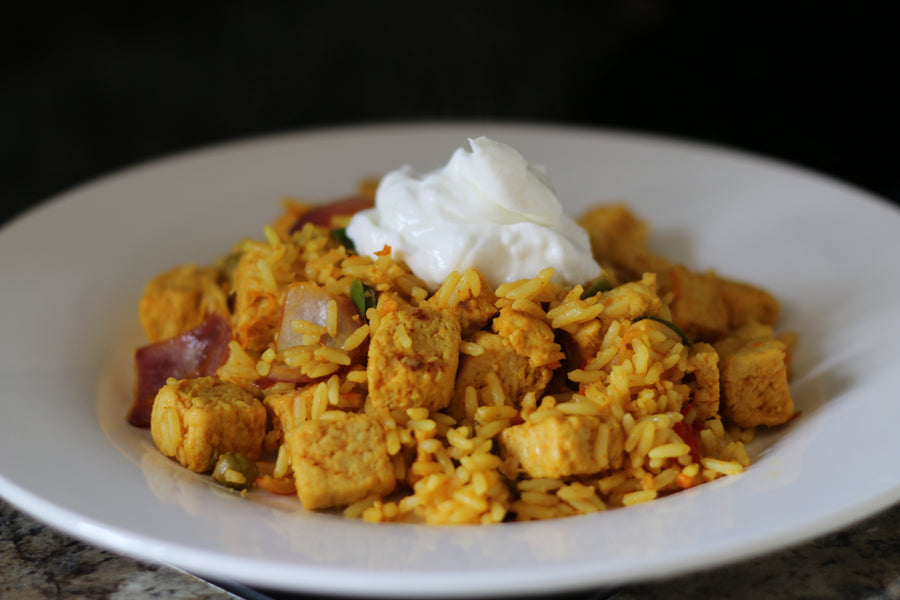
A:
195, 420
180, 299
564, 446
698, 306
529, 336
704, 305
631, 300
413, 357
339, 461
703, 379
754, 377
291, 407
288, 409
709, 307
257, 306
474, 310
619, 242
628, 301
748, 304
516, 374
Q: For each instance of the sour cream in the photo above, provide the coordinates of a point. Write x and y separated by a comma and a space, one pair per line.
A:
488, 209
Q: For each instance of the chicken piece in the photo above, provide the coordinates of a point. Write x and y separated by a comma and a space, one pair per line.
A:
632, 300
754, 377
195, 420
703, 366
339, 461
698, 306
529, 336
287, 409
625, 302
471, 300
564, 446
582, 340
413, 357
240, 367
180, 300
746, 304
514, 371
292, 407
257, 306
618, 242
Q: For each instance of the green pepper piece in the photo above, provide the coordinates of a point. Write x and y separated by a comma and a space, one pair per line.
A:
684, 337
601, 284
362, 296
341, 237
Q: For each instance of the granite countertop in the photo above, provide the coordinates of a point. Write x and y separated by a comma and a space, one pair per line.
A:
862, 561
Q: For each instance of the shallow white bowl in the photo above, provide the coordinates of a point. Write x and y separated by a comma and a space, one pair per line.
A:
73, 270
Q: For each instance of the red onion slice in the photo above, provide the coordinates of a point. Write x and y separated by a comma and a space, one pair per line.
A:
196, 353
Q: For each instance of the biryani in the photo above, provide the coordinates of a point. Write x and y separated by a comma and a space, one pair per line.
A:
301, 366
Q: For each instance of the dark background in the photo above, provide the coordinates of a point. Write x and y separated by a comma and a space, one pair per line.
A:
86, 90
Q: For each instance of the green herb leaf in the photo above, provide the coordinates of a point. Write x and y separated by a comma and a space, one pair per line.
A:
340, 236
601, 284
684, 338
229, 264
362, 296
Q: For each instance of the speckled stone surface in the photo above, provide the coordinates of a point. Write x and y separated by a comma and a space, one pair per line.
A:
861, 562
37, 563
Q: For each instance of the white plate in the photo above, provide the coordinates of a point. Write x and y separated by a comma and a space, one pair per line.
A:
73, 269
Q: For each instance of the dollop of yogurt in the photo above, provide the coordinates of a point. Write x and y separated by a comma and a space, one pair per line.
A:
488, 209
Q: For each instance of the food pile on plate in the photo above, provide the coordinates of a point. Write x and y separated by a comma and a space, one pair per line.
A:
299, 365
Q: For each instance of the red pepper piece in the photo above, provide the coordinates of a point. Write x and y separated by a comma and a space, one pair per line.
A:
687, 435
